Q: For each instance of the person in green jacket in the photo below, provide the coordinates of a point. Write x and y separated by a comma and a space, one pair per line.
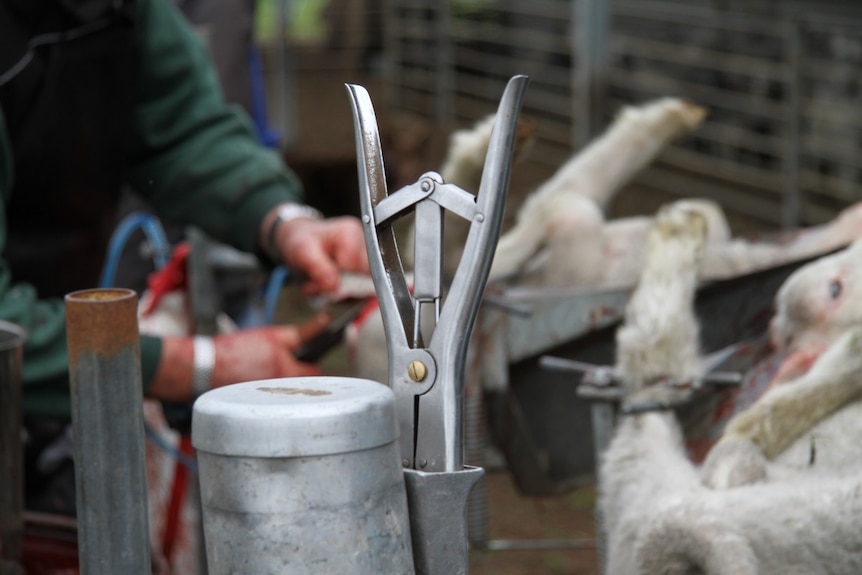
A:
99, 94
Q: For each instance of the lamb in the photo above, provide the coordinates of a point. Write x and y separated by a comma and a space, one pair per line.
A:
765, 502
801, 514
561, 238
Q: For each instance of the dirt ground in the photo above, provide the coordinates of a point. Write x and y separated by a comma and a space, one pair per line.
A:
547, 535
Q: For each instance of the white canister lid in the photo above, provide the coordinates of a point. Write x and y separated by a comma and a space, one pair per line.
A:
294, 417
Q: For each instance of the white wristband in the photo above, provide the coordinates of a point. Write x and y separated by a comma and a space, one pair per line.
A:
203, 364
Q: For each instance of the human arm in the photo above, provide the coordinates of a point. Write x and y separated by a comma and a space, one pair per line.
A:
247, 355
194, 158
198, 161
212, 171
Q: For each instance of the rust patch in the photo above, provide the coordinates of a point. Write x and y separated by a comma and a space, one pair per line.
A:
101, 321
294, 391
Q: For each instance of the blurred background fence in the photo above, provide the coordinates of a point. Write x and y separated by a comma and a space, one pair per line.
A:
780, 78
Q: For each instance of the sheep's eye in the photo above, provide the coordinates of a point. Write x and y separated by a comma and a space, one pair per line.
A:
835, 288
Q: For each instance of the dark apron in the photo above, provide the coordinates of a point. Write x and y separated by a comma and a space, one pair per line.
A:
69, 116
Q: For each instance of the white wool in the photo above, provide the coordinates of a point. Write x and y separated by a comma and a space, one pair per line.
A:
778, 494
551, 216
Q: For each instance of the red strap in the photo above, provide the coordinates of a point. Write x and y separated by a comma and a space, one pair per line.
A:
178, 496
172, 276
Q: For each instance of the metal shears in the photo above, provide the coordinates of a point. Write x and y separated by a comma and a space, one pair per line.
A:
427, 377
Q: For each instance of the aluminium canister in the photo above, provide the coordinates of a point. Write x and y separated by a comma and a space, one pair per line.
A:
302, 475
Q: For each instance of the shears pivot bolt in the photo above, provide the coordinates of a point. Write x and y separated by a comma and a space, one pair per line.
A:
417, 370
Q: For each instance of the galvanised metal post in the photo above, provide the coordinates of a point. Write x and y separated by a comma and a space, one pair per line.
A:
589, 74
11, 458
108, 425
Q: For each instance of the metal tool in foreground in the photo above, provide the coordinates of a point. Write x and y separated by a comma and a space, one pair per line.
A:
428, 378
107, 418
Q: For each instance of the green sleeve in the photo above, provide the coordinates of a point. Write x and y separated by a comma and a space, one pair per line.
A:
194, 158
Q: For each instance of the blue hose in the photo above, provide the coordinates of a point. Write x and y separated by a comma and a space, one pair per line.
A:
167, 447
273, 289
155, 234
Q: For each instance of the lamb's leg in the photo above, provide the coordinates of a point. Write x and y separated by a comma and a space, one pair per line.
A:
634, 139
465, 156
741, 256
463, 166
659, 338
572, 224
645, 464
623, 243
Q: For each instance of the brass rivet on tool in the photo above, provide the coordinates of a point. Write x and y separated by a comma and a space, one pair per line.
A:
417, 370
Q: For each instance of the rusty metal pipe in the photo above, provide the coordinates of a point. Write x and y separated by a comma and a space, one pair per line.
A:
108, 425
11, 457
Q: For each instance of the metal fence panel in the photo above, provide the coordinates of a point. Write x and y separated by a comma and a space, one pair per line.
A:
780, 79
